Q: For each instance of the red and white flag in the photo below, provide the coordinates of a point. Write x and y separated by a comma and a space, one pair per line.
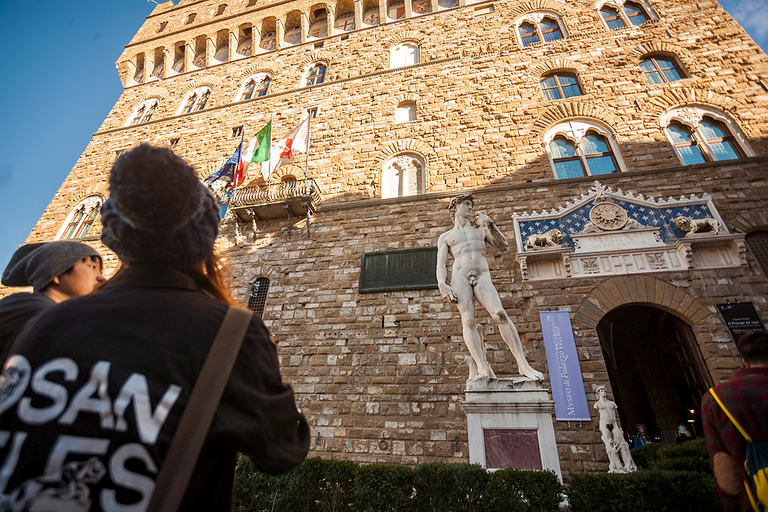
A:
284, 150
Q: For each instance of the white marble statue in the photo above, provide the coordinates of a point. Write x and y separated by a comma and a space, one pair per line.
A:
471, 279
615, 444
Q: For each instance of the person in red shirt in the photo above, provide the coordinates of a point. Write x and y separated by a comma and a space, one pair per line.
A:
746, 398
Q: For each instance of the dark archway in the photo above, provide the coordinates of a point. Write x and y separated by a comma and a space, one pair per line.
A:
655, 368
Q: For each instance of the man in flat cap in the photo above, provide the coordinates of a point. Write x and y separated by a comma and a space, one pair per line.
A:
56, 271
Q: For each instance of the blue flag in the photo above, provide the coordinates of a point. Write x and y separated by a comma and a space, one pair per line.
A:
230, 167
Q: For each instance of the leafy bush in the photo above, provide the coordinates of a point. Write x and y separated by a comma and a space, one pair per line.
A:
645, 490
383, 488
320, 486
516, 490
688, 456
255, 491
442, 487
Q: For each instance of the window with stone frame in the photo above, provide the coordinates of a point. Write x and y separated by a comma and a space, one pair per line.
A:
315, 74
255, 86
404, 54
539, 26
757, 241
220, 9
196, 100
703, 135
635, 13
81, 219
582, 148
559, 85
661, 69
405, 112
144, 113
619, 14
257, 295
403, 175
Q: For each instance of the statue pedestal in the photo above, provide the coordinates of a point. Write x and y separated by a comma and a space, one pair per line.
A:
509, 422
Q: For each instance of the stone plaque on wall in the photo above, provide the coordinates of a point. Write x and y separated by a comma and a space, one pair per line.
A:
512, 448
398, 269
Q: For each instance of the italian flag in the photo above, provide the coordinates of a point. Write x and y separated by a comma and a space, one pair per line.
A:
257, 149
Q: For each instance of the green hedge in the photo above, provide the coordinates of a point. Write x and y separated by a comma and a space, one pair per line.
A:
517, 490
688, 456
335, 486
338, 486
643, 491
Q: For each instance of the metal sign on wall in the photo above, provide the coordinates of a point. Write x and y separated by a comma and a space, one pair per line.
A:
740, 318
564, 369
398, 269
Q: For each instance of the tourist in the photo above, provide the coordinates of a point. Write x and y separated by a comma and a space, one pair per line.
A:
94, 390
56, 271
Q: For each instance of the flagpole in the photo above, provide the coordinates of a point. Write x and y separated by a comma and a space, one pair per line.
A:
309, 135
271, 129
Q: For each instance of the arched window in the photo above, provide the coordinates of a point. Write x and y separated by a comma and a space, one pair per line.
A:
757, 241
144, 112
404, 54
611, 17
536, 27
315, 75
528, 33
703, 135
257, 295
560, 85
620, 14
403, 175
405, 112
196, 100
660, 69
255, 86
582, 148
634, 13
80, 221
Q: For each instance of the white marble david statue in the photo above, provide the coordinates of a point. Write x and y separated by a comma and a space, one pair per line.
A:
615, 444
471, 279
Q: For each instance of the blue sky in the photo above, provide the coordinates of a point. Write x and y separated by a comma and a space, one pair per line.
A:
58, 82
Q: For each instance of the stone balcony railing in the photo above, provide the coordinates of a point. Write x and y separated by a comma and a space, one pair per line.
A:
299, 198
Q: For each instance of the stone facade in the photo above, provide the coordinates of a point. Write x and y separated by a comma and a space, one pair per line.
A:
380, 376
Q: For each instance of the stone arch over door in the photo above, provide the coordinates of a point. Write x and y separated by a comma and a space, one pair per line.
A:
641, 319
625, 290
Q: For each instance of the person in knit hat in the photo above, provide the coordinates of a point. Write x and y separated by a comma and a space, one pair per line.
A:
56, 271
100, 382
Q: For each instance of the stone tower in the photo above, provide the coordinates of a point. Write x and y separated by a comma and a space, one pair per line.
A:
607, 120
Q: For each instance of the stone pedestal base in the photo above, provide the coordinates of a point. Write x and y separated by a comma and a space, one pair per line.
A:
509, 422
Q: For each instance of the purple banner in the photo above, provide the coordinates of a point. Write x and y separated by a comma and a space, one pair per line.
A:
564, 370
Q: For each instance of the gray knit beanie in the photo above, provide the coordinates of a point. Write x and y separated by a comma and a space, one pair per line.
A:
37, 264
158, 211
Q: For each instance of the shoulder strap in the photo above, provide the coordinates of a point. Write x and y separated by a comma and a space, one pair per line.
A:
730, 416
196, 419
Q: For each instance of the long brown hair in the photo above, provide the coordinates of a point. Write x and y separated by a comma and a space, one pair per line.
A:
213, 278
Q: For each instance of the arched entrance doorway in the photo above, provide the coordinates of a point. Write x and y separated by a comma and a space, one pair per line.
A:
655, 368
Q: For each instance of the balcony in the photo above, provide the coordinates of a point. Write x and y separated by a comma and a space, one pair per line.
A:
299, 198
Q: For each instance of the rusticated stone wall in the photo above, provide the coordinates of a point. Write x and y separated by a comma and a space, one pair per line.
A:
389, 366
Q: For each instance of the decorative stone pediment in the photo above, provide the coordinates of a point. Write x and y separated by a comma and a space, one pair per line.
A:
607, 232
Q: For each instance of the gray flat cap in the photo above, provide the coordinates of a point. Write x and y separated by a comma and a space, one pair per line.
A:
37, 264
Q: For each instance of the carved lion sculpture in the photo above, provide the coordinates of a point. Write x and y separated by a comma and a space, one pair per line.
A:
691, 225
538, 240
